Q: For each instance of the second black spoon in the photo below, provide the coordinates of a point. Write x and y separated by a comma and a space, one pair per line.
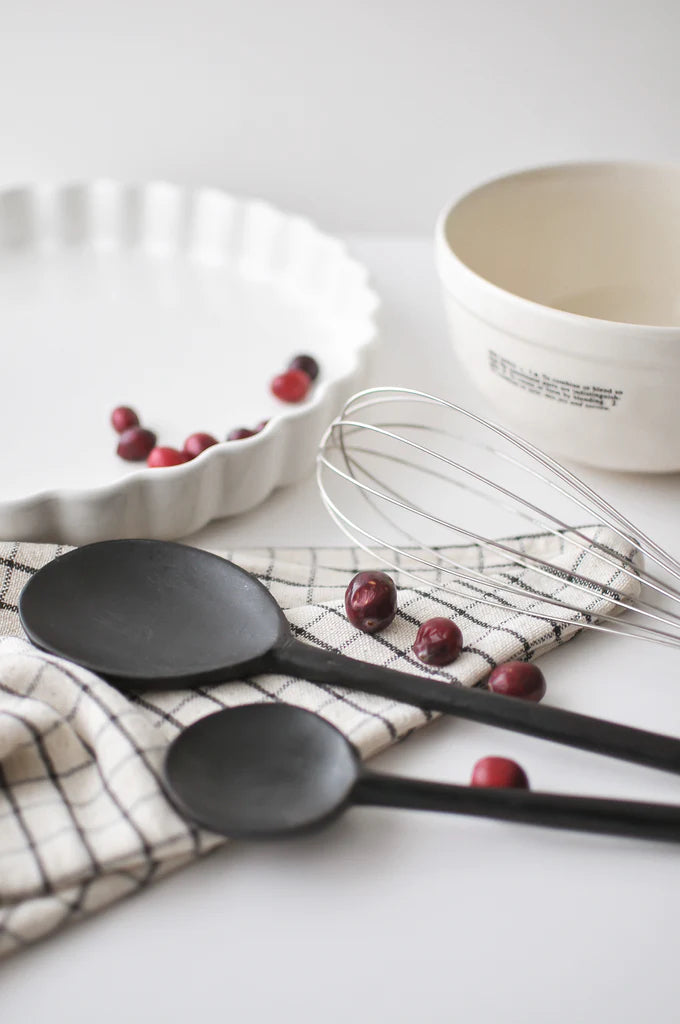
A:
155, 614
266, 770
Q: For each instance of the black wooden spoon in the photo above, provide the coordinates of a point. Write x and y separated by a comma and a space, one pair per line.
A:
154, 614
265, 770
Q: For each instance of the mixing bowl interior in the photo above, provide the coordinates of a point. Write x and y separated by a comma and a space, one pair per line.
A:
601, 240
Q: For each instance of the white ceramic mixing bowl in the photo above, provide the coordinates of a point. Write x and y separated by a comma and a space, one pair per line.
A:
562, 289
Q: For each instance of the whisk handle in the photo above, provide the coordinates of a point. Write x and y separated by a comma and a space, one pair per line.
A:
585, 814
567, 727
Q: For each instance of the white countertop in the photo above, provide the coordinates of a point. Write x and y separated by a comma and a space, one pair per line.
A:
404, 916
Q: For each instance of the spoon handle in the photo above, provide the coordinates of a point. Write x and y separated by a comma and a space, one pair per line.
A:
578, 813
567, 727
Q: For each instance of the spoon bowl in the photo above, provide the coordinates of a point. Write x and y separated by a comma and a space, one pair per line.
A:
261, 770
152, 613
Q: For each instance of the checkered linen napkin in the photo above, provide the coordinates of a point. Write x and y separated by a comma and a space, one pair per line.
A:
83, 818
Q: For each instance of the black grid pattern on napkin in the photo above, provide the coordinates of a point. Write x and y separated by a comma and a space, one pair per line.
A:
83, 817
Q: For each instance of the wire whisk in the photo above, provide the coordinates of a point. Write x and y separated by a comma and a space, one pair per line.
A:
425, 486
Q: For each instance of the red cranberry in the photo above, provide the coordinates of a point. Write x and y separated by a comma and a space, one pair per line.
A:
197, 443
291, 386
371, 601
135, 444
499, 773
123, 417
438, 642
518, 679
162, 456
261, 425
240, 433
307, 364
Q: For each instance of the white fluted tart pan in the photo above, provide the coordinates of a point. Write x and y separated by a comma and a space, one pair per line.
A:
184, 305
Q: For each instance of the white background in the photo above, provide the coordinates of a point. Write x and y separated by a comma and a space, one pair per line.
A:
365, 114
368, 117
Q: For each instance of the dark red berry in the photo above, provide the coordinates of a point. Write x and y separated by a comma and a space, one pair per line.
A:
291, 386
371, 601
240, 433
163, 456
518, 679
197, 443
123, 417
438, 642
307, 364
135, 444
499, 773
261, 425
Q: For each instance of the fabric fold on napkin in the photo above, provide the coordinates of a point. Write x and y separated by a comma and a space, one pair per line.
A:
84, 820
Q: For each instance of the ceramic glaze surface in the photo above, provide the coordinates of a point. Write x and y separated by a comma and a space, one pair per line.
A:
561, 290
183, 305
599, 240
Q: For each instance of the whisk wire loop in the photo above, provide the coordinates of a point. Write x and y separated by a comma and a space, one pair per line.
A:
603, 577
